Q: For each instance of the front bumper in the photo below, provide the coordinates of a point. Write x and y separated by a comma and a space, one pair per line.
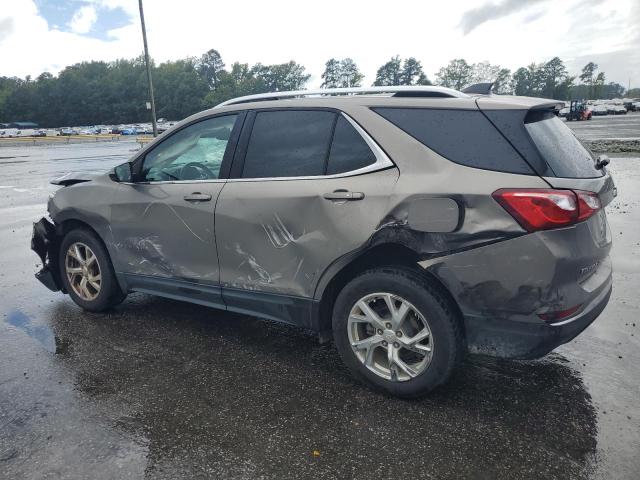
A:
527, 340
43, 242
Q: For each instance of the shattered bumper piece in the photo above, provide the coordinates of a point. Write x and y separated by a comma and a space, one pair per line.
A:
43, 243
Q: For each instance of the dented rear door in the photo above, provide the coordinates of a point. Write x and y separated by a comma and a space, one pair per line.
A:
278, 234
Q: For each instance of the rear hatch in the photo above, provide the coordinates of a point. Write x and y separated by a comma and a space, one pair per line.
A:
565, 163
549, 146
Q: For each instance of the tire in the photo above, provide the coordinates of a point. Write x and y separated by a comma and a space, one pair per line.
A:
432, 309
95, 299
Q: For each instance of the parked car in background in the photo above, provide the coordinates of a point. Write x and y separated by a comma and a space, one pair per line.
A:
611, 108
412, 226
619, 110
563, 112
600, 110
9, 132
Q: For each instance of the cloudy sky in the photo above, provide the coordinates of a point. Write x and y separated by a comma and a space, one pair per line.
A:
47, 35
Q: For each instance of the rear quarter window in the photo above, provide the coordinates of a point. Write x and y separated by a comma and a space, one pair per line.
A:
462, 136
566, 156
349, 151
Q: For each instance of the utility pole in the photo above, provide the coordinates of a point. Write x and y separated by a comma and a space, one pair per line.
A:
146, 61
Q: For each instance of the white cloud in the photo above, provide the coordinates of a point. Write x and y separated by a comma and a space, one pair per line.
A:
370, 33
84, 19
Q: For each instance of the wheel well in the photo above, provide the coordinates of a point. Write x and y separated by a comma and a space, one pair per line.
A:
73, 224
379, 256
68, 225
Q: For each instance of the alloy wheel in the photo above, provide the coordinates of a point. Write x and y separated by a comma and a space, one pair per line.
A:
83, 271
390, 336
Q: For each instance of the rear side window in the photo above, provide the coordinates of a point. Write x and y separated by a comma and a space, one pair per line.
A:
462, 136
289, 143
349, 151
559, 147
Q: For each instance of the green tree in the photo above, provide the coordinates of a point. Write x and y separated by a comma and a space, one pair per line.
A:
412, 73
598, 85
281, 77
553, 74
210, 66
457, 74
350, 75
179, 88
389, 74
633, 93
588, 77
521, 80
502, 84
331, 78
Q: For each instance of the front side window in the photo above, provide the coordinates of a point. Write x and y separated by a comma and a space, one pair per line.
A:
289, 143
193, 153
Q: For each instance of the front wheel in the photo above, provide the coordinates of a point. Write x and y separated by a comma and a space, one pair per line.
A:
87, 273
396, 332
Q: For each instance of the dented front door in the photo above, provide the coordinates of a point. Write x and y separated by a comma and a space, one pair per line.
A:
166, 230
279, 235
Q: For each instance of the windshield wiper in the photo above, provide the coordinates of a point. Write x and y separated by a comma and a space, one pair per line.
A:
602, 161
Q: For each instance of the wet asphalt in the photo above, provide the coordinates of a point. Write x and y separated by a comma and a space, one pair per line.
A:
162, 389
621, 127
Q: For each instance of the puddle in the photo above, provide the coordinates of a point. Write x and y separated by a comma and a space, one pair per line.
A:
41, 333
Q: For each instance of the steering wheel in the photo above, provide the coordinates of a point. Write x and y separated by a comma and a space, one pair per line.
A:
196, 171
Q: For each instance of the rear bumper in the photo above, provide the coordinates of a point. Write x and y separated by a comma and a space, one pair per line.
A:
43, 242
527, 340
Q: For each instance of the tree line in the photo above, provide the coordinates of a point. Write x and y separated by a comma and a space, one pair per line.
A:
116, 92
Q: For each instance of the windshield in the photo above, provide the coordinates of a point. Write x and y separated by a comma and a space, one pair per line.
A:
560, 148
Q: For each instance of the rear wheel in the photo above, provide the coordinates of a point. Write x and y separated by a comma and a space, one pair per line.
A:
87, 273
397, 333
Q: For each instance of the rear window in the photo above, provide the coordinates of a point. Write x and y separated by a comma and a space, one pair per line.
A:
462, 136
560, 148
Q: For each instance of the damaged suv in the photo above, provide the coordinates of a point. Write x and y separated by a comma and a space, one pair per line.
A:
412, 224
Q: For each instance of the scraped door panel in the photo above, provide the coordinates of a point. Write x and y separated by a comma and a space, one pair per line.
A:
278, 236
158, 233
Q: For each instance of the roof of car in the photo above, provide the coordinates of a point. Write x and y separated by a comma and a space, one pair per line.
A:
378, 96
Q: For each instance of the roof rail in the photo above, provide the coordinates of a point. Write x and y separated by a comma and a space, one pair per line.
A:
398, 91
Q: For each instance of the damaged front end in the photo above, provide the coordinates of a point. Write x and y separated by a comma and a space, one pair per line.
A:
44, 243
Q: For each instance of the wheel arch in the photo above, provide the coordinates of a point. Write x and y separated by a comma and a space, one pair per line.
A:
66, 224
349, 266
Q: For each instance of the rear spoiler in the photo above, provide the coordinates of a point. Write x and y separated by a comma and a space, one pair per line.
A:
479, 88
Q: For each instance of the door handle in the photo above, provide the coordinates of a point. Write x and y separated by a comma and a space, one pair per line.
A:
197, 197
343, 195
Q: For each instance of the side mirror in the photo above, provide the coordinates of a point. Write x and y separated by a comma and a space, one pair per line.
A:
123, 173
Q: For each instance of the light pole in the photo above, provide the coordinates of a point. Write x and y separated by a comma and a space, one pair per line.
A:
146, 61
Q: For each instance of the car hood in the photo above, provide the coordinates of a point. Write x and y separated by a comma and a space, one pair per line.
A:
72, 178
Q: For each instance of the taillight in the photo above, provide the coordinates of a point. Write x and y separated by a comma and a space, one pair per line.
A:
588, 204
545, 209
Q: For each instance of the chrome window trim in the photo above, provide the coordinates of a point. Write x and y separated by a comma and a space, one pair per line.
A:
382, 161
179, 182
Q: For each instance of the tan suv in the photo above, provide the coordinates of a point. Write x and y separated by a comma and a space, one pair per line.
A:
412, 224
